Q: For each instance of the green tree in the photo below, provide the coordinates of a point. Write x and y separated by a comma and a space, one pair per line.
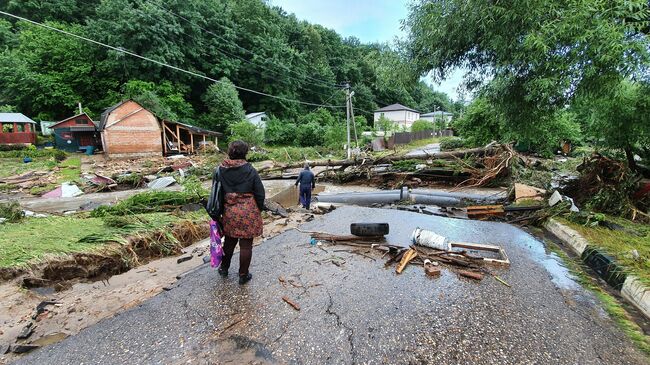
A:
47, 74
310, 134
422, 125
385, 124
164, 100
621, 121
531, 59
247, 132
223, 104
279, 132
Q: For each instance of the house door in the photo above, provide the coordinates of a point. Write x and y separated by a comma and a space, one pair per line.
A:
86, 139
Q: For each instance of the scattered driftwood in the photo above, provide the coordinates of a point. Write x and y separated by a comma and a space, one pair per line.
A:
295, 305
458, 259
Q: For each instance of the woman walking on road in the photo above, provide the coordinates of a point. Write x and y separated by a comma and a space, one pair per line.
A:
243, 203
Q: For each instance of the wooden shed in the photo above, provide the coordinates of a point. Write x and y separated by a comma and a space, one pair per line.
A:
16, 128
129, 130
75, 132
184, 138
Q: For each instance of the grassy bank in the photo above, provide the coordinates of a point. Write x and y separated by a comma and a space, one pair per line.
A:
612, 306
620, 243
34, 239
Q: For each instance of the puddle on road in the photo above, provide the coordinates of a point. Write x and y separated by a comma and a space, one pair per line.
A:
243, 350
289, 196
560, 275
50, 339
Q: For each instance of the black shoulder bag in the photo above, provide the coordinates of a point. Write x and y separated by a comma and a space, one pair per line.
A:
215, 202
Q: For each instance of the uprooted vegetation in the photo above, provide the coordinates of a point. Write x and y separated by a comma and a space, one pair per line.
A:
394, 169
12, 212
92, 248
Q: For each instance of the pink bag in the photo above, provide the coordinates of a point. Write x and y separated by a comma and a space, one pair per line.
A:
216, 250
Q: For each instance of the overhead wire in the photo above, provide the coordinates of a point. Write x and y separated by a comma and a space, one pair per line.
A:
160, 63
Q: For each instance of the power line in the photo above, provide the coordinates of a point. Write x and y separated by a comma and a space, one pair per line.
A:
229, 54
122, 50
322, 82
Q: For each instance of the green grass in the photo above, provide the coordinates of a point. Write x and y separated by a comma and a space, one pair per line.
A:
612, 306
619, 244
70, 170
16, 166
419, 143
36, 238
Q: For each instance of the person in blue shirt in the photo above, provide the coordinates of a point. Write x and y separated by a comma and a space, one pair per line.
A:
307, 183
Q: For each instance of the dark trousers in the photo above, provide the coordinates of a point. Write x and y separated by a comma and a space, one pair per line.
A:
305, 196
245, 253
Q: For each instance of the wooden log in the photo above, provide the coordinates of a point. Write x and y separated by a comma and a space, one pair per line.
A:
471, 274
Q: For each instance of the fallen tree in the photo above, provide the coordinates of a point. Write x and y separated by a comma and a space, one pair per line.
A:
450, 155
470, 167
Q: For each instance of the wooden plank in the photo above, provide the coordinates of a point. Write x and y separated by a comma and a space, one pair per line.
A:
170, 131
476, 246
192, 141
164, 136
502, 261
408, 256
525, 192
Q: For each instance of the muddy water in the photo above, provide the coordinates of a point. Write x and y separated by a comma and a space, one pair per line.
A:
289, 196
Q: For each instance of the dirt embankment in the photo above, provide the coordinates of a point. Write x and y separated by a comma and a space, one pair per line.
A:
61, 272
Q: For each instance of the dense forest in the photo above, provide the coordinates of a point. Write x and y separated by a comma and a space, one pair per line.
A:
247, 43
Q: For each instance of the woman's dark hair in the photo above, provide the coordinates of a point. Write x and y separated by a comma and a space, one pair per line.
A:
237, 150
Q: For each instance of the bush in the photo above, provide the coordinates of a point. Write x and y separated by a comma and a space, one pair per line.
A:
148, 202
279, 132
247, 132
33, 152
451, 143
310, 134
12, 147
421, 125
11, 211
335, 136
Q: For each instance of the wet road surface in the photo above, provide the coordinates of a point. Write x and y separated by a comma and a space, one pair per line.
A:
360, 312
424, 151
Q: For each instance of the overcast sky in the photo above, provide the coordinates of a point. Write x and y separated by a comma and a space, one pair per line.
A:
368, 20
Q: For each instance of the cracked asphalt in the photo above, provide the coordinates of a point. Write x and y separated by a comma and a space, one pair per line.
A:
355, 311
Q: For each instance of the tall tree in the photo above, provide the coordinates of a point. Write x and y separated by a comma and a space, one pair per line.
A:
540, 55
224, 106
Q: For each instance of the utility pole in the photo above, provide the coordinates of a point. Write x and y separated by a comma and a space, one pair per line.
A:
347, 109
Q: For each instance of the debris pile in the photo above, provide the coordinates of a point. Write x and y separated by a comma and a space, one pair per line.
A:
470, 167
429, 250
608, 186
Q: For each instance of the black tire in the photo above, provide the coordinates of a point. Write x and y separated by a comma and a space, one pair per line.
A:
369, 229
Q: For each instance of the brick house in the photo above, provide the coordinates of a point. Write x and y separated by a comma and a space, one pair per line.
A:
129, 130
16, 128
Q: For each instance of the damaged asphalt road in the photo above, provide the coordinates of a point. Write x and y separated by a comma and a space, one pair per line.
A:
353, 310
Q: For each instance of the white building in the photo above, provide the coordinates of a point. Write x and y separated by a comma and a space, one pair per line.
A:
258, 119
437, 116
398, 114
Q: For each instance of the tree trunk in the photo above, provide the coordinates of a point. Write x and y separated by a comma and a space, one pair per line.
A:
629, 154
